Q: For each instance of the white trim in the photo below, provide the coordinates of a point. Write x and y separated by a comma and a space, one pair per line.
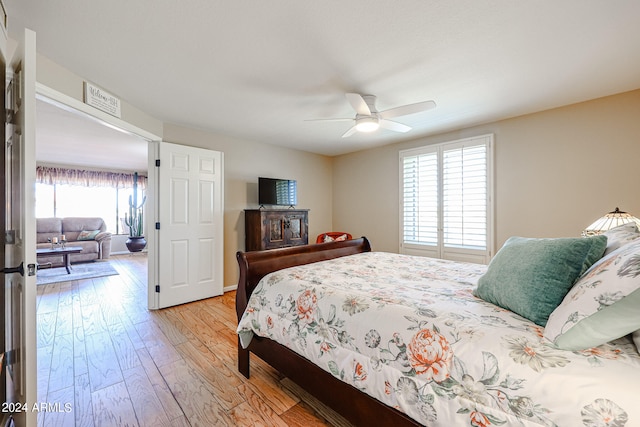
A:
65, 102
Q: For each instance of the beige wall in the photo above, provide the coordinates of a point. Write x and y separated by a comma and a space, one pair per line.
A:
555, 173
244, 162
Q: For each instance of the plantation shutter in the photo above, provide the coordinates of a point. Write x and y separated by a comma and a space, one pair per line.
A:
464, 197
420, 192
446, 200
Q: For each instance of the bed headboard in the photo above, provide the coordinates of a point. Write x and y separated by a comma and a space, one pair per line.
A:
255, 265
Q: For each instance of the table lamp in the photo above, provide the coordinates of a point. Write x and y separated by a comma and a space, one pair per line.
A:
609, 221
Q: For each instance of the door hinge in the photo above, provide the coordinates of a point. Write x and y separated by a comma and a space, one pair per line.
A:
157, 226
157, 163
158, 288
8, 358
10, 237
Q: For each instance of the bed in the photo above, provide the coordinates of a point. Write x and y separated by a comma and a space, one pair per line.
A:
390, 339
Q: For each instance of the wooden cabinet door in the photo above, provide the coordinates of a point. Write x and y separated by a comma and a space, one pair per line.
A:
296, 229
273, 229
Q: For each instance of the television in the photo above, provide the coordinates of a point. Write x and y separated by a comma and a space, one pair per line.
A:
277, 192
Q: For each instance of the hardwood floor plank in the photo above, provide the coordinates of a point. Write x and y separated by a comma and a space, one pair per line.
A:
87, 293
268, 386
65, 297
170, 330
61, 368
147, 406
82, 408
131, 331
315, 406
159, 347
46, 328
223, 314
111, 313
258, 405
92, 320
245, 415
112, 407
76, 307
169, 403
303, 415
48, 300
64, 320
193, 322
104, 370
80, 365
44, 368
57, 410
197, 402
126, 352
219, 384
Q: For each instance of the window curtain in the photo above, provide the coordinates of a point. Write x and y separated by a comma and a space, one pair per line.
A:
87, 178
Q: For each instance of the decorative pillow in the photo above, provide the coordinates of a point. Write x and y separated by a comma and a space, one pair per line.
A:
636, 339
531, 276
620, 236
88, 235
603, 305
340, 238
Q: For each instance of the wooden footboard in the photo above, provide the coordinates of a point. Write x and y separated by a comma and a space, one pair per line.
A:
357, 407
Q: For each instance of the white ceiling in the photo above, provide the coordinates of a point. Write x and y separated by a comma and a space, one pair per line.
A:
258, 70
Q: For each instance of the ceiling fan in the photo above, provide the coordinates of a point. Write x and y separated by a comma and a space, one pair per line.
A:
369, 119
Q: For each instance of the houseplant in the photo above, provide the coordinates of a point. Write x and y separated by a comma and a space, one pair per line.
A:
134, 220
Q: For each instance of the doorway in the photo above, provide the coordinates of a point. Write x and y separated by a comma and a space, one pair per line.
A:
72, 135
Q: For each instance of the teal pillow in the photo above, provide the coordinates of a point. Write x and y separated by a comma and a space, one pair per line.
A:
531, 276
88, 235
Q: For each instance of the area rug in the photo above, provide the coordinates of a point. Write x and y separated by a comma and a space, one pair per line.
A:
87, 270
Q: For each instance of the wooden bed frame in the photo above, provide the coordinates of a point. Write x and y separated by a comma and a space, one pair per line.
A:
356, 406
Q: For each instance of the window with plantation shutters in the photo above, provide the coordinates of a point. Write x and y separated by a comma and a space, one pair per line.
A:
446, 200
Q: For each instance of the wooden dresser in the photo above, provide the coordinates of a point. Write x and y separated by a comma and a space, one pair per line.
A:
275, 228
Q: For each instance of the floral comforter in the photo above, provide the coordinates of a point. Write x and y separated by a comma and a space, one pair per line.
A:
409, 332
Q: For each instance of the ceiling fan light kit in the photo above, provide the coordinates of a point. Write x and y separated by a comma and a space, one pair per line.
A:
368, 119
367, 124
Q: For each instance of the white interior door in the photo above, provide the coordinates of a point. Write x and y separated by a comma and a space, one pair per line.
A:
20, 166
189, 210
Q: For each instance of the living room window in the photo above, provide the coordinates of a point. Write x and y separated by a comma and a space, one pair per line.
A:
446, 200
75, 193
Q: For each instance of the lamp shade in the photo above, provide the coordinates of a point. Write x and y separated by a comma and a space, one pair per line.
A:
611, 220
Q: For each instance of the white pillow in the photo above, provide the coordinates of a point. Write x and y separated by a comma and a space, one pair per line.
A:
620, 236
602, 305
636, 339
340, 238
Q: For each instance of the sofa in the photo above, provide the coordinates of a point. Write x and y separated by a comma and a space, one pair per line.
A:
88, 233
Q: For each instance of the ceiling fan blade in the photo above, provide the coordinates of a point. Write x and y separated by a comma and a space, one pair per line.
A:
394, 126
358, 103
405, 110
350, 132
330, 120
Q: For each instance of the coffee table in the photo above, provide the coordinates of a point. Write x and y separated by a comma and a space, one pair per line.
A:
65, 252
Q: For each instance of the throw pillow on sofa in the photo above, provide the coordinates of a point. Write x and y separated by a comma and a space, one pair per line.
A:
88, 235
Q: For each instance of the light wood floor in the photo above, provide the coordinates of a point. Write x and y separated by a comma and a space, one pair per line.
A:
115, 363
